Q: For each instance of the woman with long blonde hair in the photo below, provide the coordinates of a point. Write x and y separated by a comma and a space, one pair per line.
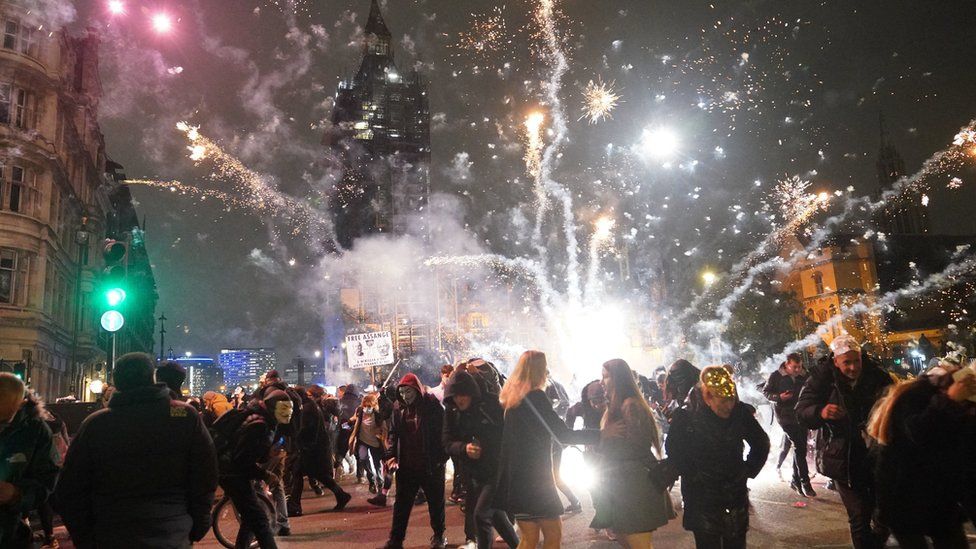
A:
922, 427
630, 504
526, 487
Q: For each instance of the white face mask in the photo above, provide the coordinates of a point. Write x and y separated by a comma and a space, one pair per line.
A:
282, 412
409, 395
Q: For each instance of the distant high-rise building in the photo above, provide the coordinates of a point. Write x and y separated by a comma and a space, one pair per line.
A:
380, 135
246, 366
202, 374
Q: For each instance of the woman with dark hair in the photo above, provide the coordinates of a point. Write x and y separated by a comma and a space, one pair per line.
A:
631, 506
526, 487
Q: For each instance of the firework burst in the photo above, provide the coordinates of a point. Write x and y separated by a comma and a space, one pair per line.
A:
599, 101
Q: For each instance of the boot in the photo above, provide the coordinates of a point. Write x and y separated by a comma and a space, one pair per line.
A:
378, 500
342, 498
808, 489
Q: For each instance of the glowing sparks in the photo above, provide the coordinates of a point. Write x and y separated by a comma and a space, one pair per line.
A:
116, 7
658, 144
162, 23
709, 278
534, 142
599, 100
487, 36
604, 227
954, 183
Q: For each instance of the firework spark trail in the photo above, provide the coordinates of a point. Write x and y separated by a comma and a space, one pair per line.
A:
533, 151
258, 194
950, 276
184, 189
962, 145
600, 239
520, 265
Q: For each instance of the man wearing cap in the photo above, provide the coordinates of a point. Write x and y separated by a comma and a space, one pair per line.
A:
140, 473
837, 400
416, 452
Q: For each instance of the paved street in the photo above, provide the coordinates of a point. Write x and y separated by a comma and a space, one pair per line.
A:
776, 522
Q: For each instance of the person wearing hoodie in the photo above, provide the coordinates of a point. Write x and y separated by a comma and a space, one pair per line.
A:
782, 388
837, 400
29, 471
415, 450
214, 405
473, 437
312, 462
141, 473
682, 378
244, 439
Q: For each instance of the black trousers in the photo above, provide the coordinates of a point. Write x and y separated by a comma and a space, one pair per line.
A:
861, 504
479, 511
705, 540
943, 538
797, 436
254, 523
314, 471
784, 450
407, 485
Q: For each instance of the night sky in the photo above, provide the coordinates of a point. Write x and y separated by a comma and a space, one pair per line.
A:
754, 90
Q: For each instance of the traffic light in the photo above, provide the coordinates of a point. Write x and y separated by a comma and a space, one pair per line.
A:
20, 370
116, 257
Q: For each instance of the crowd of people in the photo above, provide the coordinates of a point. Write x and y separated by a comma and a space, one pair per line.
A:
143, 471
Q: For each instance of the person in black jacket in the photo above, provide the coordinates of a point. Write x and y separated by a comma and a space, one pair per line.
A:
249, 435
920, 426
416, 452
682, 377
314, 457
526, 487
27, 456
783, 389
705, 444
837, 399
473, 436
141, 473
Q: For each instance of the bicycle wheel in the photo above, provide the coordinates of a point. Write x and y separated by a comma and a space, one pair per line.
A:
227, 521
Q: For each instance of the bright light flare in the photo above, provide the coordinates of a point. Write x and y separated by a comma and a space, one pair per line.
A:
574, 469
534, 121
534, 142
709, 278
604, 225
116, 7
162, 23
658, 143
197, 152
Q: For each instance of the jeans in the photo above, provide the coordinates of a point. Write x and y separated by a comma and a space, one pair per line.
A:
784, 451
479, 511
254, 523
797, 435
366, 454
860, 504
705, 540
408, 483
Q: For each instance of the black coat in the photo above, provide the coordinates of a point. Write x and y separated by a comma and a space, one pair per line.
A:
141, 473
431, 428
525, 477
27, 460
778, 383
841, 450
707, 452
918, 473
314, 443
482, 421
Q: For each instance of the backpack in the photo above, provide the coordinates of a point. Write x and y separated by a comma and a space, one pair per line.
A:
224, 433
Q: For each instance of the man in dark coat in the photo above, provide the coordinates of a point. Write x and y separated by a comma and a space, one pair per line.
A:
27, 461
682, 377
244, 441
416, 452
473, 437
783, 389
837, 399
705, 444
315, 457
141, 473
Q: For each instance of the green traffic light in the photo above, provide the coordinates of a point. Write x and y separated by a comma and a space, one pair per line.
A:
114, 296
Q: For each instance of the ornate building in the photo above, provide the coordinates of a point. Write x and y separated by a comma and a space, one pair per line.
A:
55, 200
380, 136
